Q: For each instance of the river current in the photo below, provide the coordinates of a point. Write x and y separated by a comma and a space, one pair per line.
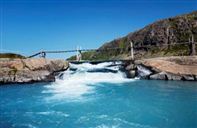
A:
99, 96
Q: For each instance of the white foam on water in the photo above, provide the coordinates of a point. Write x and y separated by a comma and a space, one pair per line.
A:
57, 113
24, 125
132, 124
85, 66
74, 85
107, 126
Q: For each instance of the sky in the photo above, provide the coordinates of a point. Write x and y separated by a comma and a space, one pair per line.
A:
28, 26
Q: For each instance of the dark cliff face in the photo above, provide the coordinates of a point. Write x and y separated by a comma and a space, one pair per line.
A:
157, 36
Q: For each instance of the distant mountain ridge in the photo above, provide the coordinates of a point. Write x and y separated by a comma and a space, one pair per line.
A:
157, 35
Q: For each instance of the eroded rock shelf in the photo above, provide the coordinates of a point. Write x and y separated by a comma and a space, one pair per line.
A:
165, 68
30, 70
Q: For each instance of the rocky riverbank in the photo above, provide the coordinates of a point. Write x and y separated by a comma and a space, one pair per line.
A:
45, 70
165, 68
30, 70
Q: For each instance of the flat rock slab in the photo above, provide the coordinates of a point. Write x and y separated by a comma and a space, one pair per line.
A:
170, 66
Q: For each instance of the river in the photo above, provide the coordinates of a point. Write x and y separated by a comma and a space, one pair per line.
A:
99, 96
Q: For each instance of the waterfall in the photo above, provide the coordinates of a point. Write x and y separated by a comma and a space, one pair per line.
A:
81, 79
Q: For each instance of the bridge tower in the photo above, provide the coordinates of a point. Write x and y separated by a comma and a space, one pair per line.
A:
43, 54
79, 55
132, 51
193, 45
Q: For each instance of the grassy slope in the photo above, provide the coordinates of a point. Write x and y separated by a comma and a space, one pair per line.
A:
11, 55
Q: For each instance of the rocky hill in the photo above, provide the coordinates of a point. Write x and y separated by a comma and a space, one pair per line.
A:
158, 38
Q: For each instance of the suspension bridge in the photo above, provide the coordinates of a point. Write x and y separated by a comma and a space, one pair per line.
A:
79, 51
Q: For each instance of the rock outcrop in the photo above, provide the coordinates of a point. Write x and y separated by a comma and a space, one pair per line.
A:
30, 70
130, 70
168, 68
159, 76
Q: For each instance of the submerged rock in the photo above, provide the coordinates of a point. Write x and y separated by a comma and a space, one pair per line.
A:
103, 70
30, 70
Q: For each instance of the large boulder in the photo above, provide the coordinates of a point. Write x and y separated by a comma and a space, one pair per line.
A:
171, 76
159, 76
130, 67
188, 77
130, 70
30, 70
143, 72
131, 74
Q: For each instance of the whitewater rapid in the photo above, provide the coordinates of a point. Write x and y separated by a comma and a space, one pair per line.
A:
80, 80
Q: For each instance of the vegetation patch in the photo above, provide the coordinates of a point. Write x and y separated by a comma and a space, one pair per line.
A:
11, 55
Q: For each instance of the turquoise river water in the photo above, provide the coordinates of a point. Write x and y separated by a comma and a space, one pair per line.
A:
99, 96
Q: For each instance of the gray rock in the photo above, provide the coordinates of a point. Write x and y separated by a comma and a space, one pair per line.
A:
195, 77
131, 74
188, 78
143, 72
6, 79
32, 76
173, 76
159, 76
130, 67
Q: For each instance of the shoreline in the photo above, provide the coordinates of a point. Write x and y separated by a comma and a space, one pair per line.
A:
165, 68
22, 71
25, 71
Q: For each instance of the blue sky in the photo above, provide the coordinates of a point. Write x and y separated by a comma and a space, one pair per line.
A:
28, 26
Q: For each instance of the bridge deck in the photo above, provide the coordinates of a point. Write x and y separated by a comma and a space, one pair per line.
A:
43, 53
98, 61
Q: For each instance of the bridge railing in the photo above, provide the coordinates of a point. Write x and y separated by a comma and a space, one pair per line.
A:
132, 48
